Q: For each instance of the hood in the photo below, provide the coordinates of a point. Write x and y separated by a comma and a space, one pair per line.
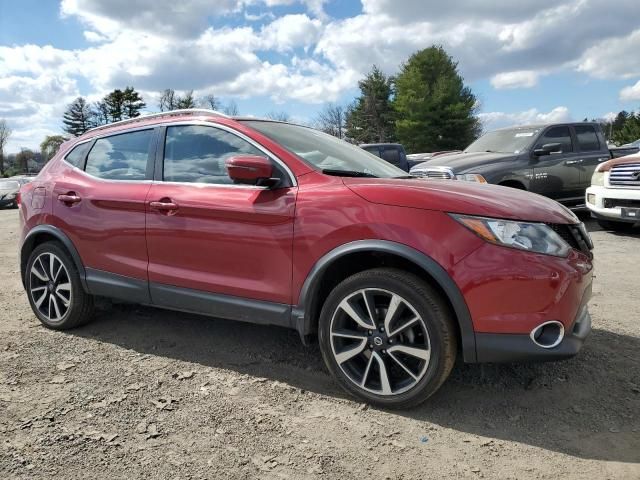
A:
456, 196
9, 187
606, 166
465, 162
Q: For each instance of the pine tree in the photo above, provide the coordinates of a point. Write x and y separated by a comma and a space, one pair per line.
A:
133, 103
436, 111
78, 117
371, 118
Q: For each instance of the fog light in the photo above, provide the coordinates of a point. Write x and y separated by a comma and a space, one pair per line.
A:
591, 198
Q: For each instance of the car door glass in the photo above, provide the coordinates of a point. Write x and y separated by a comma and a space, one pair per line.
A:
120, 157
76, 156
587, 138
559, 135
197, 154
391, 155
374, 150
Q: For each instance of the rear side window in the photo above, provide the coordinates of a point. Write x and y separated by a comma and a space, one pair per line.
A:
197, 154
559, 135
120, 157
391, 155
373, 150
587, 138
76, 156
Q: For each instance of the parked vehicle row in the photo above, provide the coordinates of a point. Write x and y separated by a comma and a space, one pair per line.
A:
274, 223
554, 160
9, 190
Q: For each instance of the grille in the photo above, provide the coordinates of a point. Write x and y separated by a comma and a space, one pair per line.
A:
575, 235
442, 173
627, 174
617, 203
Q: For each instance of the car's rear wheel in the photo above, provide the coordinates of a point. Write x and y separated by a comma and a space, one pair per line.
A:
54, 288
615, 226
387, 337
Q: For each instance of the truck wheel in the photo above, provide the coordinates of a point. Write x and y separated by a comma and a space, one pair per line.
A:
387, 337
54, 288
615, 226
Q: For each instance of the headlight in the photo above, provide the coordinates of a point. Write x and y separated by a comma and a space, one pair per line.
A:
532, 237
471, 177
597, 180
10, 196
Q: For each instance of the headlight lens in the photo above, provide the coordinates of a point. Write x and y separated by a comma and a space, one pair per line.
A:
471, 177
10, 196
532, 237
597, 180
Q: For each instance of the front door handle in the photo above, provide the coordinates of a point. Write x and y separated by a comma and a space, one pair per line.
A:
573, 162
69, 198
164, 205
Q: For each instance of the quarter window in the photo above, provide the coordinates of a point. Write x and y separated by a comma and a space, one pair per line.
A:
587, 138
559, 135
197, 154
120, 157
76, 156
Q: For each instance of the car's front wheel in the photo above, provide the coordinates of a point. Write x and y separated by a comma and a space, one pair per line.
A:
54, 288
388, 337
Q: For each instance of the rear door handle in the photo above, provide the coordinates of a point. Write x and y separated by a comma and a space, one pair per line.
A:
69, 198
164, 205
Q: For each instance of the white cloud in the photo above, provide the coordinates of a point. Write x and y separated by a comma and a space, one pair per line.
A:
519, 79
630, 93
290, 31
493, 120
613, 58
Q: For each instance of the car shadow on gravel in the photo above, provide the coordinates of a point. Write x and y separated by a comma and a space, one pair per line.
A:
587, 406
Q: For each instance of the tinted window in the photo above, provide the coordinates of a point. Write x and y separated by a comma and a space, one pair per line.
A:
120, 157
194, 153
374, 150
559, 135
587, 138
391, 155
76, 156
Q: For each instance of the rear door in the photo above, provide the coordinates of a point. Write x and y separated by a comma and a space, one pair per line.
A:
99, 202
213, 236
557, 175
593, 151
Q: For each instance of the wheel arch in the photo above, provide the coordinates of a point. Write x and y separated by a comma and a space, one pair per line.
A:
45, 233
513, 184
360, 255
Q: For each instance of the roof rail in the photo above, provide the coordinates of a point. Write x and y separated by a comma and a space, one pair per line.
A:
170, 113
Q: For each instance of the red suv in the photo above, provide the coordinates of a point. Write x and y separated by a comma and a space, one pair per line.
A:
280, 224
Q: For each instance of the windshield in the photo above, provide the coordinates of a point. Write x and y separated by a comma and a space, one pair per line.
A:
9, 185
325, 152
504, 141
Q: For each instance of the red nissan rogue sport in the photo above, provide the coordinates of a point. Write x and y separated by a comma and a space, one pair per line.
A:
280, 224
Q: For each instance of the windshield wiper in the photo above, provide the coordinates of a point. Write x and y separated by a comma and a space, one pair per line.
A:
347, 173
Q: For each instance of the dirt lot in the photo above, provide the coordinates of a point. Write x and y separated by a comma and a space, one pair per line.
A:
146, 393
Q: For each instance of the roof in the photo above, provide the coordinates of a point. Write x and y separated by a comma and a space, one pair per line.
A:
363, 145
543, 125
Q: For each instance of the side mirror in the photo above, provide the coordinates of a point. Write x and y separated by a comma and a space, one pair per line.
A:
547, 149
250, 170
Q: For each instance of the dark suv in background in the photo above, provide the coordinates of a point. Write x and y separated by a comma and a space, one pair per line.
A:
555, 160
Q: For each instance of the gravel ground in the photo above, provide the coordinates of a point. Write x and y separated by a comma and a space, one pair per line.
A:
142, 392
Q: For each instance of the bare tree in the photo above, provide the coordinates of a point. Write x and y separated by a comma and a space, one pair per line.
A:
23, 158
331, 119
50, 146
5, 133
168, 100
280, 116
211, 101
231, 109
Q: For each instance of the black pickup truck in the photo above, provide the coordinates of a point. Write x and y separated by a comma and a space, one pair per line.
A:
555, 160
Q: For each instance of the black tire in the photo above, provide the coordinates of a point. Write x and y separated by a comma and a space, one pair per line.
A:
419, 298
615, 226
80, 304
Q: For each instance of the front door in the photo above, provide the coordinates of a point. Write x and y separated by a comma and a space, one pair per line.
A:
557, 175
206, 235
593, 151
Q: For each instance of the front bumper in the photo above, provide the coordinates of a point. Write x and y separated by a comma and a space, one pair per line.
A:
497, 347
597, 206
5, 202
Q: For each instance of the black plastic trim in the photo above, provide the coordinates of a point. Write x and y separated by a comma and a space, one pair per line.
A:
220, 306
106, 284
302, 317
27, 248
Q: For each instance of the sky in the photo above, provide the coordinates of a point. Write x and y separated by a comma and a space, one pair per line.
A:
526, 60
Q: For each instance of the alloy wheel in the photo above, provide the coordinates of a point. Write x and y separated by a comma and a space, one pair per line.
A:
380, 342
50, 287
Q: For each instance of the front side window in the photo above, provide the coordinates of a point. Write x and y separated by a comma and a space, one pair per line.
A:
76, 156
197, 154
587, 138
391, 155
559, 135
120, 157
